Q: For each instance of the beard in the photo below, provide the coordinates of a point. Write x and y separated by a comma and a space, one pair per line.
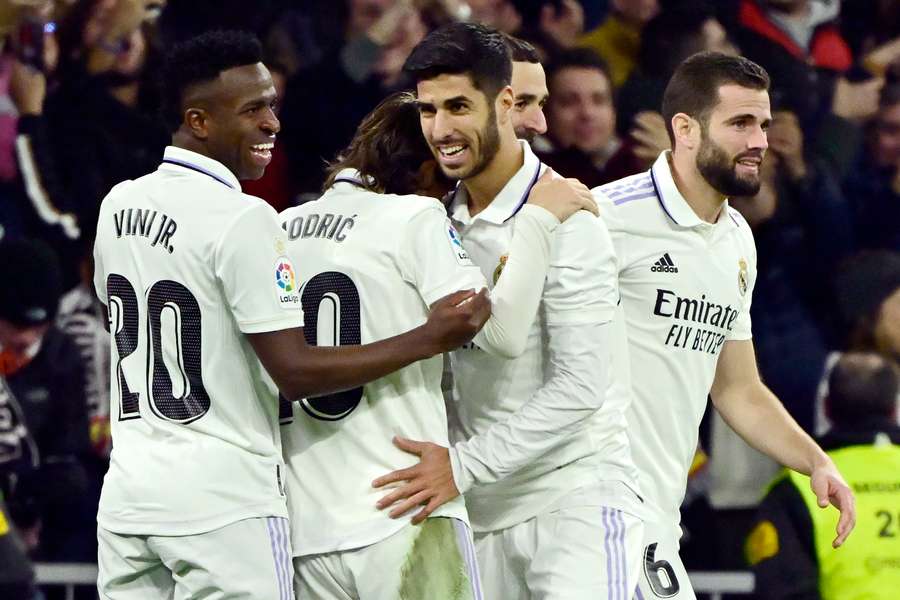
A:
526, 134
719, 170
488, 145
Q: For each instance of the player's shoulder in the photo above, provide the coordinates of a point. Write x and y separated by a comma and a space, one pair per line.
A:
626, 200
743, 230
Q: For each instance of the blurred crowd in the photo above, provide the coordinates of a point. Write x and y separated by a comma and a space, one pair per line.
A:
78, 114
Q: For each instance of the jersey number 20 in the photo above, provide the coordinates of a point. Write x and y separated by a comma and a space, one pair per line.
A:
175, 300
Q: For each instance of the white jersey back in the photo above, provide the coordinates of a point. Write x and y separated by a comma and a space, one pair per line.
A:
186, 265
686, 287
371, 264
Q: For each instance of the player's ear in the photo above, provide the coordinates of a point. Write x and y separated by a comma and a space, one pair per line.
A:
686, 130
505, 101
197, 122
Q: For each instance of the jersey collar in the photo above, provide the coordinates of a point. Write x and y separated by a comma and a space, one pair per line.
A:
179, 158
674, 204
511, 198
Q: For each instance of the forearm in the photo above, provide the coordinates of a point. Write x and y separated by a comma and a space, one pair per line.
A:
572, 395
515, 298
757, 415
301, 371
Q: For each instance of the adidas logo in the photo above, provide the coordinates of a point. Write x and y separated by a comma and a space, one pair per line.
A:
664, 265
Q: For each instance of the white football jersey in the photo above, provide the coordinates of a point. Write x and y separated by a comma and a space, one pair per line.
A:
186, 265
686, 287
370, 266
580, 292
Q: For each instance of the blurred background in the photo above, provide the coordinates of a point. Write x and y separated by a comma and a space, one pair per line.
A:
78, 114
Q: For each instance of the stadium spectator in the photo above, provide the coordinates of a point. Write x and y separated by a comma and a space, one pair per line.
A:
551, 25
873, 186
98, 126
800, 44
618, 38
581, 121
668, 38
867, 297
324, 104
44, 370
16, 454
790, 548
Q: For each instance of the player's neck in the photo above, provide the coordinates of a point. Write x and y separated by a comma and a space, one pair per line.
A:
484, 187
705, 201
189, 142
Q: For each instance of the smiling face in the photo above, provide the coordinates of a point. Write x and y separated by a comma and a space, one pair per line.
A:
460, 124
733, 141
237, 120
529, 84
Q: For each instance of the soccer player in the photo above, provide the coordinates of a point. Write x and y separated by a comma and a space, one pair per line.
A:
203, 303
687, 267
530, 93
545, 465
373, 278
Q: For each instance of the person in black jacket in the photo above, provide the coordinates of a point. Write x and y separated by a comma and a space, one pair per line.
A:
51, 504
16, 454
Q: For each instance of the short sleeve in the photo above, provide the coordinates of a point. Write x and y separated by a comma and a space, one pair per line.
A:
432, 258
99, 271
582, 283
742, 329
257, 276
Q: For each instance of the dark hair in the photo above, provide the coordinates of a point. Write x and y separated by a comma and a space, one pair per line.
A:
694, 87
387, 149
862, 283
463, 49
862, 387
520, 50
32, 280
578, 58
530, 10
202, 59
670, 37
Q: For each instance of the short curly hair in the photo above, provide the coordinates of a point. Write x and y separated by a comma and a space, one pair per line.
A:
201, 59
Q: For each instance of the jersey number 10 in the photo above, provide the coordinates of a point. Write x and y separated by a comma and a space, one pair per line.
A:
192, 401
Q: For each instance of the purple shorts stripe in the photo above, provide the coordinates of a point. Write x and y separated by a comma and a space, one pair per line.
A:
607, 546
288, 559
623, 558
637, 593
277, 539
273, 543
467, 548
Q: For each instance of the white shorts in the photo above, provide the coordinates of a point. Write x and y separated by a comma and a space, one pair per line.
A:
571, 553
434, 560
662, 573
249, 559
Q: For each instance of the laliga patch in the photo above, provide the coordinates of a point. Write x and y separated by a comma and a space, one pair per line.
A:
462, 257
286, 283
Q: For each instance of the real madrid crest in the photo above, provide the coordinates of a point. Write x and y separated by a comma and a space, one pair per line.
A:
500, 266
742, 277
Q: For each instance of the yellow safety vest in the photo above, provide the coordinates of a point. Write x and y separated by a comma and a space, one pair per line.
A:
867, 566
